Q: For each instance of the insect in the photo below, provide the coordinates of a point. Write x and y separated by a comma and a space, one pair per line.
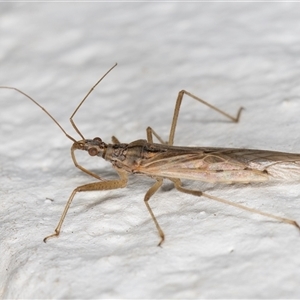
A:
165, 161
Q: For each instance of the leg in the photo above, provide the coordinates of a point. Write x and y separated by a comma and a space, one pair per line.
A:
77, 165
177, 108
96, 186
178, 186
148, 195
151, 132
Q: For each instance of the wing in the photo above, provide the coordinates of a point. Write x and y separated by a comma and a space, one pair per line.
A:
218, 164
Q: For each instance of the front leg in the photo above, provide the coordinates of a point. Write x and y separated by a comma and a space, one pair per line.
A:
95, 186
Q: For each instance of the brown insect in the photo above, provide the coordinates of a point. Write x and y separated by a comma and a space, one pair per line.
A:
165, 161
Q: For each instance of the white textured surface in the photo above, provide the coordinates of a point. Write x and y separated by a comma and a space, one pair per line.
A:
231, 54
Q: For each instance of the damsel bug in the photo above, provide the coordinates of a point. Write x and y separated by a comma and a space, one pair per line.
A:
160, 161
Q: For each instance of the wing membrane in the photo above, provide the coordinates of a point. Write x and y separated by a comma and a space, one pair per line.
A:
219, 165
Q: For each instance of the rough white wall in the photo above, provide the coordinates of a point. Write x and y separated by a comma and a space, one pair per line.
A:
232, 55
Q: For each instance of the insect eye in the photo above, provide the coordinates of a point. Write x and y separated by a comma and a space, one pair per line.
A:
97, 139
93, 151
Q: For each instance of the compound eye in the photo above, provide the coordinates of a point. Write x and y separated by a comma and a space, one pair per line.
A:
93, 151
97, 139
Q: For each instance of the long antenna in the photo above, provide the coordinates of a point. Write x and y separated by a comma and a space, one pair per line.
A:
75, 111
44, 109
71, 118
